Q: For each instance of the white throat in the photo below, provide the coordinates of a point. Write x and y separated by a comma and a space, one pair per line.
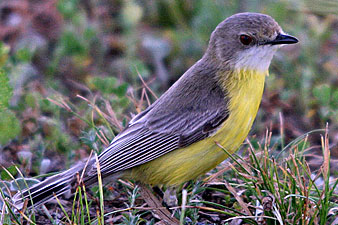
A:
256, 58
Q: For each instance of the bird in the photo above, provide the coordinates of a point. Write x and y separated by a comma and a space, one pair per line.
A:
178, 137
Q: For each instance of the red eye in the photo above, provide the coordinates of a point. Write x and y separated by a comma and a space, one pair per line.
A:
245, 39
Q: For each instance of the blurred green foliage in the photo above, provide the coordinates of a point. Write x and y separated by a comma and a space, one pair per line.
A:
327, 98
68, 8
9, 124
109, 85
6, 91
5, 175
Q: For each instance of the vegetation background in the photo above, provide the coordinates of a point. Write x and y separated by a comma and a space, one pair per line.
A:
73, 73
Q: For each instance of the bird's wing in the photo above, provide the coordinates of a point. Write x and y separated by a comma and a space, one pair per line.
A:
191, 110
145, 140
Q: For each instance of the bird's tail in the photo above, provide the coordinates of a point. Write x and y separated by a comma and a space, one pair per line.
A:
47, 189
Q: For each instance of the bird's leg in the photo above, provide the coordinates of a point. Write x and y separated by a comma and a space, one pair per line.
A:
153, 202
169, 197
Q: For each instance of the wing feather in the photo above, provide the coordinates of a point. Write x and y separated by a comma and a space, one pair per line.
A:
168, 124
144, 144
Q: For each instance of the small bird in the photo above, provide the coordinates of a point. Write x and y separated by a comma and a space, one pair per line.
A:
177, 138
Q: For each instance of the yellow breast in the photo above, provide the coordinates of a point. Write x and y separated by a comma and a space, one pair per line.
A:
245, 89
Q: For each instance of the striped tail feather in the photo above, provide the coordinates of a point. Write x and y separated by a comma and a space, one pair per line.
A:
46, 190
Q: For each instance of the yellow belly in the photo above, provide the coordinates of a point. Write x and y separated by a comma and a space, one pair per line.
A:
245, 92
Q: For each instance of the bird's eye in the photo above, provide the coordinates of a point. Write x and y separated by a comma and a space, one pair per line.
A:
245, 39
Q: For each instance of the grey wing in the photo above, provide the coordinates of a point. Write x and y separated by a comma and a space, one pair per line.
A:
191, 110
144, 141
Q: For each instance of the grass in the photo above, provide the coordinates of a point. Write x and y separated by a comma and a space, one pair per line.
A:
262, 185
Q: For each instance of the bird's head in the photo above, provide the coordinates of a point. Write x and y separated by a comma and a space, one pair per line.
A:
247, 41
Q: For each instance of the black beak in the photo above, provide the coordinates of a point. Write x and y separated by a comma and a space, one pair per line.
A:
282, 39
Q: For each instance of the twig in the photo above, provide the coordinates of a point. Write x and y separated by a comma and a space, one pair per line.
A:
155, 203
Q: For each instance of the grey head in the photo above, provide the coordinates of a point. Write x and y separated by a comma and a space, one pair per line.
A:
247, 41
